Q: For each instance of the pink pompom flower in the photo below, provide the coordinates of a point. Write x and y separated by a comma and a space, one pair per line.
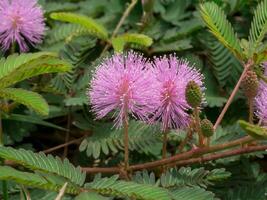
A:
123, 84
173, 76
21, 21
261, 99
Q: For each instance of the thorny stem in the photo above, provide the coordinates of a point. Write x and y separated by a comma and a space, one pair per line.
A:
225, 154
197, 125
174, 159
229, 101
124, 16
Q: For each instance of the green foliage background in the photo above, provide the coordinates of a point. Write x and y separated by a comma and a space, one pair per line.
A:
79, 30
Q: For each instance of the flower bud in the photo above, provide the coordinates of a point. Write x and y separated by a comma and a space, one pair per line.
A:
207, 128
193, 94
250, 84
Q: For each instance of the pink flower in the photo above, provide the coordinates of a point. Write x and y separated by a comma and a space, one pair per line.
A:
261, 99
124, 85
261, 104
21, 21
173, 75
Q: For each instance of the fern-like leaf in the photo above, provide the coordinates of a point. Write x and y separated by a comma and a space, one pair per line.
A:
65, 32
142, 138
120, 41
112, 186
192, 193
91, 196
225, 66
20, 67
41, 162
48, 182
183, 177
220, 27
95, 28
30, 99
259, 25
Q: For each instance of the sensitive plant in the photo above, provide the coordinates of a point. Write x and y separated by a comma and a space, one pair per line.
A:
195, 144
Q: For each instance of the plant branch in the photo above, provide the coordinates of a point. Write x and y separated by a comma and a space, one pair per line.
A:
124, 16
243, 150
175, 158
229, 101
76, 141
126, 144
164, 146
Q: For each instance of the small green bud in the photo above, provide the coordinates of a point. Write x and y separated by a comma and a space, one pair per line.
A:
250, 84
193, 94
207, 128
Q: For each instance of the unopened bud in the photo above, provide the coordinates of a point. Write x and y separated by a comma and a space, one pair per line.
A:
250, 84
207, 128
193, 94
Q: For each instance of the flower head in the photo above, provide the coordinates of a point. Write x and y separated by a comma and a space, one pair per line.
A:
123, 84
22, 21
173, 76
261, 99
261, 104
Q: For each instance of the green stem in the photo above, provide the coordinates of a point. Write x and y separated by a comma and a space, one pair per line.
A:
13, 48
198, 129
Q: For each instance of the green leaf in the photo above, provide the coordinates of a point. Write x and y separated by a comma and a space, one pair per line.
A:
30, 99
220, 27
65, 32
258, 26
91, 196
95, 28
112, 186
16, 68
179, 45
226, 68
215, 101
254, 131
143, 138
31, 119
47, 182
44, 163
192, 193
120, 41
